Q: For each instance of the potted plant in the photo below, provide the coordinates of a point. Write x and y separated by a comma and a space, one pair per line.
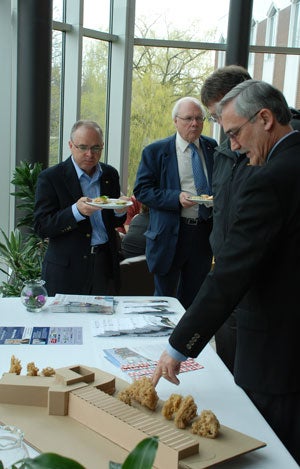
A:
21, 252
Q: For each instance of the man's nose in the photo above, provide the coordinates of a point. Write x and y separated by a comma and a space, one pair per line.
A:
234, 144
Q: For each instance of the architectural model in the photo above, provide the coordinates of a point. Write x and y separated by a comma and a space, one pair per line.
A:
86, 395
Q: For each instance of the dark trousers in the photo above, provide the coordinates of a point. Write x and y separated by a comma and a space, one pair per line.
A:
282, 412
191, 264
100, 273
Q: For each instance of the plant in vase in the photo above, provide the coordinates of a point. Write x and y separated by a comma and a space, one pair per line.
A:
34, 295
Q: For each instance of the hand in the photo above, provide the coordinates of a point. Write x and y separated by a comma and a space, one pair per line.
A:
183, 199
167, 368
85, 209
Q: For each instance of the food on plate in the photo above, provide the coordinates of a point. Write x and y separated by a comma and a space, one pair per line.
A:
142, 391
201, 197
206, 425
120, 202
103, 199
32, 370
15, 365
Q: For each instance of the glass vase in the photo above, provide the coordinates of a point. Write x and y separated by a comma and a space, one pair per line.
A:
34, 295
12, 446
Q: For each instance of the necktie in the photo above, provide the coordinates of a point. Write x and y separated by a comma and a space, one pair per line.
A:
201, 183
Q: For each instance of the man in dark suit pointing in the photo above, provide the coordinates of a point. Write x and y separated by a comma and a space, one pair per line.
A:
258, 266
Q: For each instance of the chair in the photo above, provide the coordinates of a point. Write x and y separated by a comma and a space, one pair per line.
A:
136, 280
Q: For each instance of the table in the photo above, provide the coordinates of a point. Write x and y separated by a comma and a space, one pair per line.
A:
212, 387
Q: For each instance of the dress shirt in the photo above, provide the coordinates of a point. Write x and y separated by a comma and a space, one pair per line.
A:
91, 188
186, 176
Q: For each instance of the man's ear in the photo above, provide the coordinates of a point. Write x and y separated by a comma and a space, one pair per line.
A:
268, 118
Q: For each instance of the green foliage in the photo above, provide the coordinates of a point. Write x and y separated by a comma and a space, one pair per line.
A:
47, 461
141, 457
21, 252
25, 179
20, 260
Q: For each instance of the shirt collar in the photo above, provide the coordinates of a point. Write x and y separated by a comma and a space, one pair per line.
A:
183, 144
80, 171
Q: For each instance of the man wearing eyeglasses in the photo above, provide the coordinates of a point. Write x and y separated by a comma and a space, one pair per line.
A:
231, 169
177, 240
82, 254
259, 261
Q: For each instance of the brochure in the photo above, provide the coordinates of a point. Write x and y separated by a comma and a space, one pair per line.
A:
145, 306
134, 325
81, 304
136, 365
40, 335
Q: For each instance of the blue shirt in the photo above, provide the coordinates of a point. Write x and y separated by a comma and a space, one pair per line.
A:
90, 187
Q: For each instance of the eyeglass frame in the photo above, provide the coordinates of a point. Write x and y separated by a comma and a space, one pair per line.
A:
93, 149
190, 119
213, 118
234, 135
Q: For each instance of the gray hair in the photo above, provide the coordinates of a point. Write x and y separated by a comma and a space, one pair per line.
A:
86, 123
187, 99
253, 95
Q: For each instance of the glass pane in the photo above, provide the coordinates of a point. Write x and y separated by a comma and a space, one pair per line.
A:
94, 81
96, 15
55, 114
184, 21
58, 10
263, 21
160, 77
277, 71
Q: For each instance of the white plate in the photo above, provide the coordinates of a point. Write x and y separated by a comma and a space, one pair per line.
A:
112, 204
201, 200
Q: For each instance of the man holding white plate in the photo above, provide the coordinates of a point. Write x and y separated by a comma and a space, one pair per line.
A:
82, 254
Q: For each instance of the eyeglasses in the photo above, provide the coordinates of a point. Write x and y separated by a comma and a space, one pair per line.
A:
190, 119
85, 148
213, 118
234, 134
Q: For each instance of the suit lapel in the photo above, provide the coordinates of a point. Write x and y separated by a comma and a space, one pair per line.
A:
208, 156
71, 179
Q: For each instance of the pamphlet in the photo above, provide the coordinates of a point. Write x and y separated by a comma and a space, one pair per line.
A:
136, 365
82, 304
144, 306
40, 335
134, 325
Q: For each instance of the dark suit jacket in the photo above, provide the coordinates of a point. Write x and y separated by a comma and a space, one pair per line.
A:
158, 186
65, 263
260, 256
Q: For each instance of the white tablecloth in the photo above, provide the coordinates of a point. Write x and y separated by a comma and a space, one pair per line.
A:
212, 387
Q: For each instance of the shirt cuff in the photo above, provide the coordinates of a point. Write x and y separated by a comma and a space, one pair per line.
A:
174, 354
77, 215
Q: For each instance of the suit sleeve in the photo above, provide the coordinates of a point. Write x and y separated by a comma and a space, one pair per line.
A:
53, 214
247, 244
155, 185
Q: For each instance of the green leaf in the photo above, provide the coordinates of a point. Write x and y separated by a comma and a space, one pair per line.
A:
49, 461
143, 455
